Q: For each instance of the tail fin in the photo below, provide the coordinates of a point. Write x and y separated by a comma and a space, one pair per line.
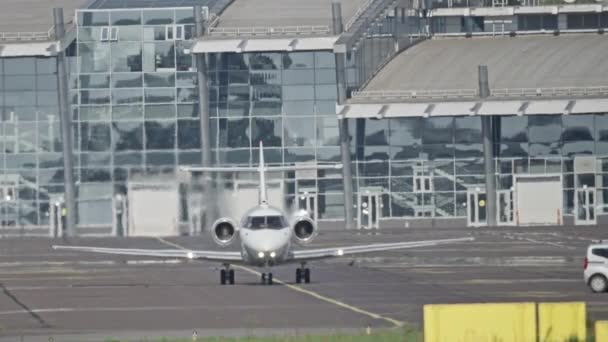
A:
262, 171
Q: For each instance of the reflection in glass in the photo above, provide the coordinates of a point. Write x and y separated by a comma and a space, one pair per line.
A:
160, 135
127, 135
299, 131
268, 131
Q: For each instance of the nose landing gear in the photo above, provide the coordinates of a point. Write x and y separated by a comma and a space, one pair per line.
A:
267, 278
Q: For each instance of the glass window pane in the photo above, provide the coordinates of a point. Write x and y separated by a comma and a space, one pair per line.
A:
376, 132
126, 96
160, 111
328, 132
188, 134
94, 57
126, 18
438, 130
578, 127
298, 93
94, 113
265, 61
95, 96
299, 131
95, 136
127, 112
513, 128
298, 60
126, 57
234, 133
20, 66
158, 17
267, 130
20, 82
97, 18
299, 108
405, 132
160, 95
94, 81
160, 134
544, 128
467, 130
127, 80
159, 57
159, 79
325, 60
298, 77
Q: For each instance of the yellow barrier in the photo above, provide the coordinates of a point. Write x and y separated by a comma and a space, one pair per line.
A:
558, 322
480, 322
601, 331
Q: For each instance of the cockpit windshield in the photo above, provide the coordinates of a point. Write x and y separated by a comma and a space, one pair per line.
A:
265, 222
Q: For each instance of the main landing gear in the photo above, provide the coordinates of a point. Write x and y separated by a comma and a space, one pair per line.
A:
267, 278
303, 274
227, 275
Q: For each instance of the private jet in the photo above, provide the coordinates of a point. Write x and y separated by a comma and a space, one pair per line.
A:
267, 235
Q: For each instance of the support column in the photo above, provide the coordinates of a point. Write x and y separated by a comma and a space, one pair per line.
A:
203, 91
347, 175
203, 115
66, 127
488, 149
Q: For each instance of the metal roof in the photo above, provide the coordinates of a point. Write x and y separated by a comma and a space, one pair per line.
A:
437, 65
113, 4
33, 16
313, 16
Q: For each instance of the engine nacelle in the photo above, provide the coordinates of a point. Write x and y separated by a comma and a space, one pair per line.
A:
224, 232
304, 230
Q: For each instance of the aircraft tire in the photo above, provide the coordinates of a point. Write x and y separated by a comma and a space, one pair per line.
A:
231, 277
307, 276
270, 279
223, 277
298, 276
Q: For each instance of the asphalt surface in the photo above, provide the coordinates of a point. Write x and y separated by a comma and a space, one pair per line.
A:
85, 297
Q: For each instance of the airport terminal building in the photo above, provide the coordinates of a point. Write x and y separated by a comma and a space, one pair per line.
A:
121, 94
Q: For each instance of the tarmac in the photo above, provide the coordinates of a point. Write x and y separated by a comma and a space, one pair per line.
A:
70, 296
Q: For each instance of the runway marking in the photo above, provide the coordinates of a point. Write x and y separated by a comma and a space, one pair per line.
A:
308, 292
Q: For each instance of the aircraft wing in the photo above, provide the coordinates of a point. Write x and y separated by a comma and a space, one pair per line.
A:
216, 256
336, 252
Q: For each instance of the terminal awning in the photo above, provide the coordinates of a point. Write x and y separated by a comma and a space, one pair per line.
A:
264, 44
459, 108
29, 49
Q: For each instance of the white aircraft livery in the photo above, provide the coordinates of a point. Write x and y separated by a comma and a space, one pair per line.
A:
266, 236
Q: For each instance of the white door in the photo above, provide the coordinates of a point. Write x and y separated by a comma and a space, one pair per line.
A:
584, 206
506, 208
538, 200
369, 213
476, 209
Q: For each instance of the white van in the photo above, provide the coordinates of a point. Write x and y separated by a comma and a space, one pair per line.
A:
596, 267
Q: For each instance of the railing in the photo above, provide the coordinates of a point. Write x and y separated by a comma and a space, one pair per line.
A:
269, 31
27, 36
412, 94
367, 96
505, 3
357, 14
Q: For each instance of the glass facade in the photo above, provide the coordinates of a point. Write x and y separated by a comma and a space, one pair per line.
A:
134, 105
134, 101
286, 101
431, 163
31, 163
